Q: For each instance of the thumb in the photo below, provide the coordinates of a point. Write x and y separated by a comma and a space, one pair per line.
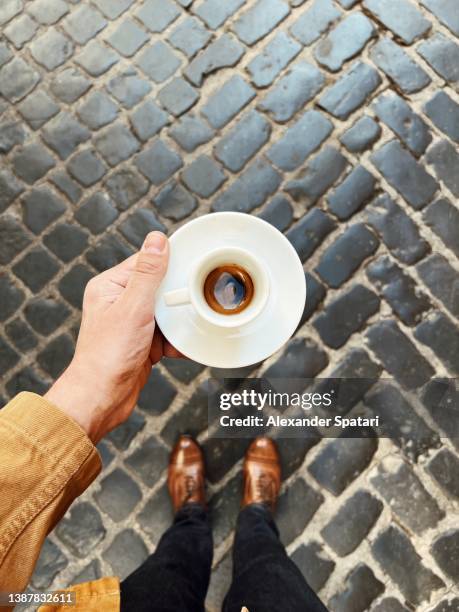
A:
150, 268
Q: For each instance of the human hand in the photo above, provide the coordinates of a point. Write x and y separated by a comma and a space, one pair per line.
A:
117, 342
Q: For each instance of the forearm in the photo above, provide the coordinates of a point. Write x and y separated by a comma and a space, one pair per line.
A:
46, 461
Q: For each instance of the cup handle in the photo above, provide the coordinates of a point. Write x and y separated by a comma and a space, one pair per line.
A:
177, 297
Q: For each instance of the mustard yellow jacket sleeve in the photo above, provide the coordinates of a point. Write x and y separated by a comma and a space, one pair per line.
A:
46, 461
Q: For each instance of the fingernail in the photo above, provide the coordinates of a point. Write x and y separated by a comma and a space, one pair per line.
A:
154, 243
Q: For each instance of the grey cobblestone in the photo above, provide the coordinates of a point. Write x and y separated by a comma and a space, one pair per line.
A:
333, 268
314, 564
224, 52
72, 284
260, 19
204, 176
309, 232
445, 161
337, 465
395, 349
11, 134
215, 13
118, 495
331, 119
444, 112
51, 49
442, 280
158, 163
301, 83
264, 68
36, 268
361, 135
17, 79
126, 187
278, 212
251, 189
345, 41
361, 589
157, 15
406, 124
86, 168
21, 30
189, 36
402, 17
21, 335
353, 193
314, 21
442, 54
40, 207
408, 431
347, 314
13, 238
178, 96
64, 134
82, 529
354, 519
66, 185
38, 108
236, 148
399, 290
97, 110
398, 558
45, 315
96, 58
148, 119
445, 11
399, 66
405, 174
56, 355
175, 202
128, 88
10, 188
69, 85
439, 333
228, 101
109, 252
32, 161
84, 23
440, 400
291, 522
444, 468
128, 38
300, 140
125, 553
351, 91
137, 226
397, 230
398, 485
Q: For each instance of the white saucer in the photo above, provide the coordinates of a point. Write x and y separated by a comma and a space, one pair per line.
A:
237, 347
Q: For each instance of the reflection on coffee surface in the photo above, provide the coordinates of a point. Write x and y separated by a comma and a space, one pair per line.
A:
228, 289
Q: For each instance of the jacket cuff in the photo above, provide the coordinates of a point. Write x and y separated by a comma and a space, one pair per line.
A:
55, 435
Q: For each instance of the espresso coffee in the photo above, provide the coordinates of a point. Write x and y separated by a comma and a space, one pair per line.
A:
228, 289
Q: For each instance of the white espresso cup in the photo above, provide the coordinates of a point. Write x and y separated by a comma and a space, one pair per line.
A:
193, 293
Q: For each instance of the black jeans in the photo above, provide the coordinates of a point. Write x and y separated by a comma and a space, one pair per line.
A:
176, 577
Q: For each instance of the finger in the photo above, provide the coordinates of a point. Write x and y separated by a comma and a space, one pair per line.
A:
121, 273
157, 347
150, 268
171, 351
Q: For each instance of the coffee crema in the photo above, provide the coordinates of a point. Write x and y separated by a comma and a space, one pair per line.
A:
228, 289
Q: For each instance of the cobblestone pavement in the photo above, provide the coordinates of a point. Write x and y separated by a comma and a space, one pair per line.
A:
338, 122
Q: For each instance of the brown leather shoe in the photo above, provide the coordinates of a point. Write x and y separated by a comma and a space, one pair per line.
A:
262, 473
186, 474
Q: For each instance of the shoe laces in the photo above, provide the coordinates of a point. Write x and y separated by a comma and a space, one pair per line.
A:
263, 487
190, 486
